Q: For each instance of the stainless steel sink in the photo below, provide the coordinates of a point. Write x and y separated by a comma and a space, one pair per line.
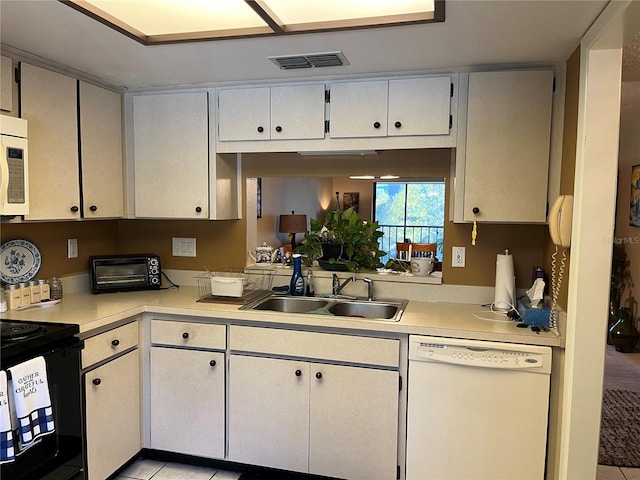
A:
287, 304
390, 310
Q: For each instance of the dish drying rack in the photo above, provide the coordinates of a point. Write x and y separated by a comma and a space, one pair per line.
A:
234, 285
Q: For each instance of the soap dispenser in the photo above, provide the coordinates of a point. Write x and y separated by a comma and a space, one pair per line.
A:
296, 287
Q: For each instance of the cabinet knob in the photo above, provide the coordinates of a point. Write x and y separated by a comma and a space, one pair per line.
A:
93, 208
318, 375
185, 335
212, 363
198, 209
96, 381
298, 373
75, 209
278, 129
260, 129
376, 124
115, 342
476, 210
397, 124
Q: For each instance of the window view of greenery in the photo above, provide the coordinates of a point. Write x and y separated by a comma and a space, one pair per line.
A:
411, 211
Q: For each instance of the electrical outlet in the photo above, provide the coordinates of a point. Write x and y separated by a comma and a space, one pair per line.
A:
72, 248
183, 247
457, 257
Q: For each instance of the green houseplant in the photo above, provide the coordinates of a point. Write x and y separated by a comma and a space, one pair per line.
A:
343, 242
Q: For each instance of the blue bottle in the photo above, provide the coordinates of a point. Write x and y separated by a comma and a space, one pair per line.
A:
296, 287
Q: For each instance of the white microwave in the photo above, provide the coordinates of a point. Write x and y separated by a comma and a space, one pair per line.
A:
14, 167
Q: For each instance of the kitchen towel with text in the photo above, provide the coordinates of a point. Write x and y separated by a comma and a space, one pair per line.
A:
31, 400
6, 434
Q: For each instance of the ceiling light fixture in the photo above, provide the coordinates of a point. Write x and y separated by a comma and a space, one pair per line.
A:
362, 177
172, 21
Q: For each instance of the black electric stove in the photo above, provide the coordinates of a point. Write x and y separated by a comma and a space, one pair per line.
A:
21, 340
59, 455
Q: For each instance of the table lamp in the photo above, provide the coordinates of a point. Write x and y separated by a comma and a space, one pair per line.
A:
292, 224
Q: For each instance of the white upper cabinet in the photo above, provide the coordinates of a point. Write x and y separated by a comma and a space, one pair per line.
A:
400, 107
49, 104
271, 113
6, 84
101, 152
504, 163
171, 155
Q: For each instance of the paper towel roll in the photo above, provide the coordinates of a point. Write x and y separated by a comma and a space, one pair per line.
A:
505, 283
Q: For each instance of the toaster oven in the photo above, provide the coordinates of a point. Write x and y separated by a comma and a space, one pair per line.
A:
121, 273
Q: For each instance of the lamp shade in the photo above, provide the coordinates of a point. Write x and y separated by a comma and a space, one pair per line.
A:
293, 223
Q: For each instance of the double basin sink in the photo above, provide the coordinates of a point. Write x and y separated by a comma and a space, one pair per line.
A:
341, 306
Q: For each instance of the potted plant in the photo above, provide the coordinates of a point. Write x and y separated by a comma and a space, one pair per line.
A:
343, 242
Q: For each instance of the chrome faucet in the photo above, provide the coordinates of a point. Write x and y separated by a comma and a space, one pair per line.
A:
369, 283
336, 287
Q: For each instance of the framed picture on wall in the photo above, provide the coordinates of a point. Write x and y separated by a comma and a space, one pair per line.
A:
351, 199
634, 207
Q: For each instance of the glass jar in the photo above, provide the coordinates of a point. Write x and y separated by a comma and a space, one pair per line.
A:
3, 301
55, 288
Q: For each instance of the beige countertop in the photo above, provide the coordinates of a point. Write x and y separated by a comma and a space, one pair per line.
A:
458, 320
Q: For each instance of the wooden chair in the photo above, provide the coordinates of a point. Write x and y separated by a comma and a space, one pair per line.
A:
417, 250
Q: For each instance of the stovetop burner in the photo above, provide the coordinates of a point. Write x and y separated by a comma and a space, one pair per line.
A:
11, 331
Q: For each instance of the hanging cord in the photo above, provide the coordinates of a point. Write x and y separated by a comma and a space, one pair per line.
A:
556, 282
474, 230
173, 285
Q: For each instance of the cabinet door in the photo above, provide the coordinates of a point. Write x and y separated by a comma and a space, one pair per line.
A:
101, 152
507, 147
359, 109
243, 114
297, 112
6, 84
269, 412
187, 401
171, 155
49, 104
353, 422
112, 397
419, 106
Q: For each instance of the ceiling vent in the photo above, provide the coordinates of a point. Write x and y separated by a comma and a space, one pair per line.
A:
310, 60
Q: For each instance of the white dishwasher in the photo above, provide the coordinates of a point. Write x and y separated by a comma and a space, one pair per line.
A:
476, 409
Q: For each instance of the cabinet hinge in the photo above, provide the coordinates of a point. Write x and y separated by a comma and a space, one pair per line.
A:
451, 94
399, 384
450, 122
398, 472
327, 96
554, 84
326, 126
16, 75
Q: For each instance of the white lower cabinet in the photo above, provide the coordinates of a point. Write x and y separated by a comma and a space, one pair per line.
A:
312, 417
188, 388
112, 396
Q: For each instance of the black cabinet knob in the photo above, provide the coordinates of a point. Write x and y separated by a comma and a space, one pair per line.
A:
278, 129
198, 209
397, 124
185, 335
93, 208
212, 363
376, 124
75, 209
298, 373
318, 375
115, 342
260, 129
476, 210
96, 381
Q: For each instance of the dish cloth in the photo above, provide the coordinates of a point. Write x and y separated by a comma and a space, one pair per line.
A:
321, 311
6, 434
31, 400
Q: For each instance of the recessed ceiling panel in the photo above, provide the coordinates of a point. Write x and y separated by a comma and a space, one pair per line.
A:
164, 17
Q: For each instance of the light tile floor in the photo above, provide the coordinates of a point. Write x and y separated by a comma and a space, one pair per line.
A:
145, 469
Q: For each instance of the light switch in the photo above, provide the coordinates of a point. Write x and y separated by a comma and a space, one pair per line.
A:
72, 248
183, 247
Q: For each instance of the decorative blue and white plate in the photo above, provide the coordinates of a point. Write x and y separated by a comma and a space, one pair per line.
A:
19, 261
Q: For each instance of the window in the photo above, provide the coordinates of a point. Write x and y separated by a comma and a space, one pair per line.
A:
410, 210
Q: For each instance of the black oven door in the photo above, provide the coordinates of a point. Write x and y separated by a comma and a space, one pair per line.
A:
57, 456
